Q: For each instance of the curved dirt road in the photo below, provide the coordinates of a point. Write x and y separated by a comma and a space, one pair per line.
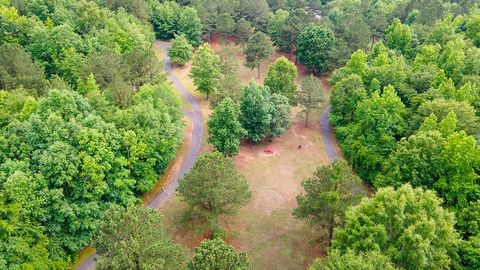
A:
327, 135
196, 117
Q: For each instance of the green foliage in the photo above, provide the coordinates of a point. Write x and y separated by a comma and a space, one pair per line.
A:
224, 128
259, 48
18, 70
310, 96
170, 19
255, 110
372, 260
135, 237
407, 225
399, 36
281, 78
313, 46
213, 187
205, 70
280, 115
215, 254
181, 51
329, 192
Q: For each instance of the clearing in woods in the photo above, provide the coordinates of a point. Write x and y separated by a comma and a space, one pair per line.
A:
265, 227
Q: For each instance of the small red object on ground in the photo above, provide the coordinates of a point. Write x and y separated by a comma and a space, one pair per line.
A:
268, 150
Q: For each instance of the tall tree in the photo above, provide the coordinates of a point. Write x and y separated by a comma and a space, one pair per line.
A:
280, 115
213, 187
243, 30
205, 70
215, 254
255, 110
407, 225
181, 51
189, 25
372, 260
332, 189
310, 96
224, 128
281, 78
259, 48
135, 238
399, 36
313, 46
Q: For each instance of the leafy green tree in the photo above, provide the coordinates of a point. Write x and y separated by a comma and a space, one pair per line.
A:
224, 128
310, 96
407, 225
280, 115
255, 110
281, 78
135, 238
259, 48
346, 95
275, 24
205, 70
181, 51
378, 120
135, 7
215, 254
213, 187
399, 36
297, 20
208, 13
332, 189
469, 252
189, 25
372, 260
314, 45
165, 18
89, 87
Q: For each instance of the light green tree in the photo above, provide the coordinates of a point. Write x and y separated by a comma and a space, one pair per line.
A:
407, 225
372, 260
280, 115
281, 78
399, 36
181, 51
255, 108
190, 26
216, 254
224, 128
205, 70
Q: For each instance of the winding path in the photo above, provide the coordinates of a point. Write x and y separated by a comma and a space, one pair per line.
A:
196, 117
327, 135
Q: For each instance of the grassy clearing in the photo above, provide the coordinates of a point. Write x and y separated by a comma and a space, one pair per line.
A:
265, 227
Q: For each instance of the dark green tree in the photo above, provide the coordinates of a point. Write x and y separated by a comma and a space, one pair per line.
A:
213, 188
332, 189
135, 238
314, 45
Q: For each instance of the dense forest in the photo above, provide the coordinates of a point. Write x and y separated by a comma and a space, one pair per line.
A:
88, 122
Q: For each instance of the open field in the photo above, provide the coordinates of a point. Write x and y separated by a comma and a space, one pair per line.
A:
265, 227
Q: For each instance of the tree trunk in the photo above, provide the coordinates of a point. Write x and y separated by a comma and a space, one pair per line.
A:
306, 119
373, 41
330, 232
209, 36
259, 71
